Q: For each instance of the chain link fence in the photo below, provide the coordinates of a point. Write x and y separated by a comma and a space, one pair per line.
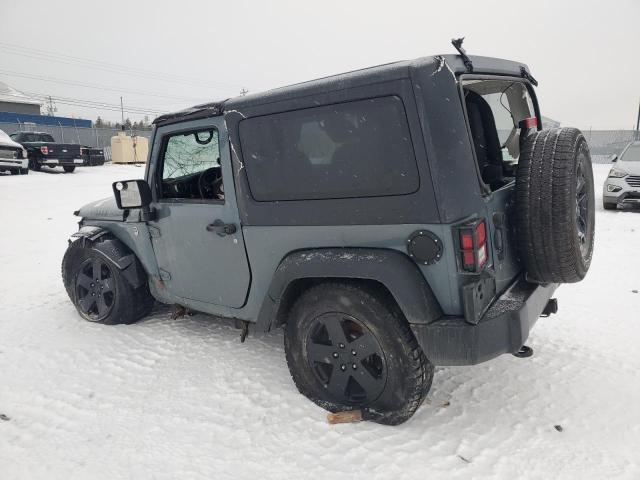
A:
89, 137
603, 143
606, 143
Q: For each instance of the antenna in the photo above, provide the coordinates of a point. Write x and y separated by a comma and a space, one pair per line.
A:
638, 124
457, 43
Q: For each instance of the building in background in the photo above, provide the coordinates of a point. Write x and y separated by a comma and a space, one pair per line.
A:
19, 108
14, 101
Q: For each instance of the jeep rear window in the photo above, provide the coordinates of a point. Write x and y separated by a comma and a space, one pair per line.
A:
494, 110
353, 149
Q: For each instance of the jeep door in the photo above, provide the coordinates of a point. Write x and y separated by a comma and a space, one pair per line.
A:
196, 235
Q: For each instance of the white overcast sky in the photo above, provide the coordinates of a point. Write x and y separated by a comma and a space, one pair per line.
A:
584, 53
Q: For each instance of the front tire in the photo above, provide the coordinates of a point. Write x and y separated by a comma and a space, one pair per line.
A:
349, 347
609, 206
24, 171
34, 165
99, 290
69, 169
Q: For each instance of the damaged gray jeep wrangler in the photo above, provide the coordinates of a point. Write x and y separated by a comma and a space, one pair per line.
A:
389, 219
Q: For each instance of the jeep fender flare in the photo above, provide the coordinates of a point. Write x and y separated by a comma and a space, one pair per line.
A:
391, 268
115, 250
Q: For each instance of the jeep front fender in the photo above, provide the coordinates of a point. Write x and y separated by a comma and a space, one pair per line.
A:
105, 243
397, 272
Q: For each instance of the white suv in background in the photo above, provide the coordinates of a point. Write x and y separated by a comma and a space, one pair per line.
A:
13, 156
622, 186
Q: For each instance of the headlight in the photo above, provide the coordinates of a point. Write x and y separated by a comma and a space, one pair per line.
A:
615, 173
24, 153
613, 188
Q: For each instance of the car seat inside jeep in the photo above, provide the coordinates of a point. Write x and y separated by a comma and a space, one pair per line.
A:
494, 110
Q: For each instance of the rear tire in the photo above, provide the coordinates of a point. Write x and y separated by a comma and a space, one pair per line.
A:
68, 169
35, 166
388, 376
99, 290
555, 206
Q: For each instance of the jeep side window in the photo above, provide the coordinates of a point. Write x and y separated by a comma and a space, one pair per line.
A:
494, 110
191, 166
353, 149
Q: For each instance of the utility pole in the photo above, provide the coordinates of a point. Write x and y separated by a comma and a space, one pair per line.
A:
638, 123
122, 112
51, 108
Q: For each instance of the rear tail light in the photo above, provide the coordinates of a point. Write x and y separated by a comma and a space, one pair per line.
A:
527, 123
44, 149
473, 246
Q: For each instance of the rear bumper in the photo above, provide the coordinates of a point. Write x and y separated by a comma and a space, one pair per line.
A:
78, 162
503, 329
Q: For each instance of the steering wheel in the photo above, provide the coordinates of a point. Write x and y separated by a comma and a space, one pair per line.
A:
210, 183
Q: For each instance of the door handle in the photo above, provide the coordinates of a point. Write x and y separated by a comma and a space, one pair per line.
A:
222, 228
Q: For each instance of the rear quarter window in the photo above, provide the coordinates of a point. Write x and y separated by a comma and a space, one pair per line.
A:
353, 149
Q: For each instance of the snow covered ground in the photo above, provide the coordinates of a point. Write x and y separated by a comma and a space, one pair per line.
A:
184, 399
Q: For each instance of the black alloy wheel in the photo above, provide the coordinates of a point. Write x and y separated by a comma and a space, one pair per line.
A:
348, 346
346, 358
95, 289
582, 206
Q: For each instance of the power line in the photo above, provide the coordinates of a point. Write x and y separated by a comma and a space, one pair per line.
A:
105, 66
96, 86
92, 104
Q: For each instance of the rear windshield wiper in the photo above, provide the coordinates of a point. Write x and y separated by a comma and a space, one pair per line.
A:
526, 75
457, 43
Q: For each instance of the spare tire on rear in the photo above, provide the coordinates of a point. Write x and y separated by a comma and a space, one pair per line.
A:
555, 206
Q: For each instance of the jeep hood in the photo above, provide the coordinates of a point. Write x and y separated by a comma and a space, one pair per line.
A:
105, 209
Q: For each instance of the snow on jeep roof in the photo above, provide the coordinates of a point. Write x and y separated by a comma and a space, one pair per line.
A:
192, 113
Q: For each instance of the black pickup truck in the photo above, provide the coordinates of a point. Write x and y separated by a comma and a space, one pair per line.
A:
43, 150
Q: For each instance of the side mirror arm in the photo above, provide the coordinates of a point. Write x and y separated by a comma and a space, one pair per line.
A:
148, 214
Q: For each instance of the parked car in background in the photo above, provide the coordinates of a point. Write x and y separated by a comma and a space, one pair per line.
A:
13, 156
43, 150
94, 156
622, 186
